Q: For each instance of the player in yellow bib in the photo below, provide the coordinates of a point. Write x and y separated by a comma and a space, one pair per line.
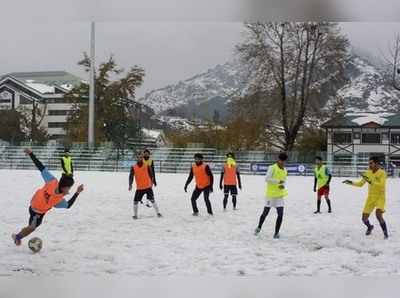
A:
322, 178
66, 164
376, 179
275, 193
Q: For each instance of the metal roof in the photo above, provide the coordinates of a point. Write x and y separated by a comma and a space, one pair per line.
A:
362, 119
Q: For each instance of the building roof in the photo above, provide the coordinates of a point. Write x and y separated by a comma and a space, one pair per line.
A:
353, 120
46, 81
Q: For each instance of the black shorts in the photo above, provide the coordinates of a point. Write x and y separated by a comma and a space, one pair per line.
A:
35, 219
141, 192
230, 189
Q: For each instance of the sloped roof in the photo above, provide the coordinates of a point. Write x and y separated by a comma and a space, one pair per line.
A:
363, 119
52, 78
46, 82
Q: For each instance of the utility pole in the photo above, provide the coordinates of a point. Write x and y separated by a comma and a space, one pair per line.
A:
91, 140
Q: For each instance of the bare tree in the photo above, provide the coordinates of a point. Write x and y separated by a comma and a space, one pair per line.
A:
291, 61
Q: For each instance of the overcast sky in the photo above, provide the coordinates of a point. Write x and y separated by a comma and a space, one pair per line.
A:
168, 51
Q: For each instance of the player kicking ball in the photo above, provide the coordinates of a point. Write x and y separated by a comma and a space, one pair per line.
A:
376, 179
50, 195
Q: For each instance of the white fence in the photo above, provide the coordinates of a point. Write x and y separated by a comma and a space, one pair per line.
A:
167, 160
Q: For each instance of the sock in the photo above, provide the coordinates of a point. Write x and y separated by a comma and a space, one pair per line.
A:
225, 201
366, 222
156, 207
329, 204
135, 209
234, 201
384, 227
18, 236
279, 220
263, 216
318, 205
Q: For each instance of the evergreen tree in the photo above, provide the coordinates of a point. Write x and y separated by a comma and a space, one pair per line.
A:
10, 126
115, 92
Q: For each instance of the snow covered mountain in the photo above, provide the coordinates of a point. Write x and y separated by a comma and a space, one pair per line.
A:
367, 90
205, 94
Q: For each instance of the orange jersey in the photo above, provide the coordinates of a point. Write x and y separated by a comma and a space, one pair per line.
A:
46, 197
230, 175
200, 175
142, 177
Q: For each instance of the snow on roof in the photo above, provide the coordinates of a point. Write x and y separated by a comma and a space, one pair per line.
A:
151, 133
42, 88
67, 86
362, 119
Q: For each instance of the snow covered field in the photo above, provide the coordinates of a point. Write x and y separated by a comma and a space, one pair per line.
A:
99, 237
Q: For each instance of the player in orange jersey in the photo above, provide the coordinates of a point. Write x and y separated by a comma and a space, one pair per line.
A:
50, 195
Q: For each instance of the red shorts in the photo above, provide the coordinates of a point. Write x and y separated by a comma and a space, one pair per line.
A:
323, 191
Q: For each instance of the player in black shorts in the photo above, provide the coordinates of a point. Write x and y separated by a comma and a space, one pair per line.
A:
230, 178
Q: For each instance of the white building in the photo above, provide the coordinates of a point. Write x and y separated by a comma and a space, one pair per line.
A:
19, 90
355, 137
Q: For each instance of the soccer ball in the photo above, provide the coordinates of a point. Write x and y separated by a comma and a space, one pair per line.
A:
35, 244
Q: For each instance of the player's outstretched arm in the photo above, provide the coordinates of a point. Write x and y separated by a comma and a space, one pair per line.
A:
71, 201
362, 181
366, 178
359, 183
68, 204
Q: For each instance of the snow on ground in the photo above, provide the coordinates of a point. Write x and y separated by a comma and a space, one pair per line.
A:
99, 237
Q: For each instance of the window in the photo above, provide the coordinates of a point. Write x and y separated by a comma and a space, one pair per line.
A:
343, 158
57, 124
342, 138
395, 138
55, 100
66, 101
58, 112
371, 138
23, 100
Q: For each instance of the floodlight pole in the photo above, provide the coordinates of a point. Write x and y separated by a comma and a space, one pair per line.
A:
91, 141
